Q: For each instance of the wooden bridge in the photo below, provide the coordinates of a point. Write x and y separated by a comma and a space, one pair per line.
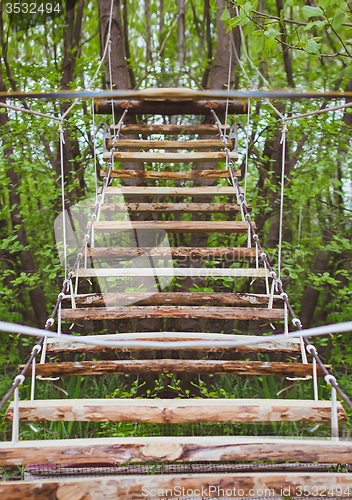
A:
168, 212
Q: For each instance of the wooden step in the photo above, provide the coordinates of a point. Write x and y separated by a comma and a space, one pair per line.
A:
175, 411
120, 450
201, 226
204, 366
171, 191
59, 346
147, 129
167, 108
165, 175
156, 144
230, 254
176, 272
213, 485
171, 157
242, 313
174, 298
172, 207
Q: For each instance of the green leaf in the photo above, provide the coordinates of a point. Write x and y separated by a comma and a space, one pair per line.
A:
257, 44
271, 33
339, 18
324, 3
312, 47
225, 15
312, 11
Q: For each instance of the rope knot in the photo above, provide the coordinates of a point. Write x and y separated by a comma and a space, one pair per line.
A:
330, 379
49, 322
297, 323
311, 349
36, 348
20, 379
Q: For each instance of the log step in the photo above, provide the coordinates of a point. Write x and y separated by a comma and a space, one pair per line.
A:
242, 313
175, 411
167, 108
147, 129
130, 487
175, 298
230, 254
172, 207
156, 144
202, 226
57, 346
120, 450
207, 366
171, 191
171, 272
165, 175
171, 157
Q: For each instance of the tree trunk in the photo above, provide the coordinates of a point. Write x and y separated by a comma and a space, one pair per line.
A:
36, 294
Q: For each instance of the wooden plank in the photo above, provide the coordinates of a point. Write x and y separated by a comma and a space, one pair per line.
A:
170, 157
177, 272
171, 207
202, 226
170, 108
147, 129
156, 144
175, 298
175, 411
118, 450
242, 313
171, 191
183, 175
58, 346
229, 254
204, 366
134, 487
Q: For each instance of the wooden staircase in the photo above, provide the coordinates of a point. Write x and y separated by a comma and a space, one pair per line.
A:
118, 262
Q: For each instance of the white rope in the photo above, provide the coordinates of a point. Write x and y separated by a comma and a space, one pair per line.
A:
334, 416
247, 149
15, 419
317, 112
228, 88
143, 344
311, 349
30, 112
62, 142
37, 348
283, 142
95, 153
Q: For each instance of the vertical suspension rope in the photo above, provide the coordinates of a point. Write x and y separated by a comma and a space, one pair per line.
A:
95, 153
247, 151
283, 142
228, 88
62, 142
